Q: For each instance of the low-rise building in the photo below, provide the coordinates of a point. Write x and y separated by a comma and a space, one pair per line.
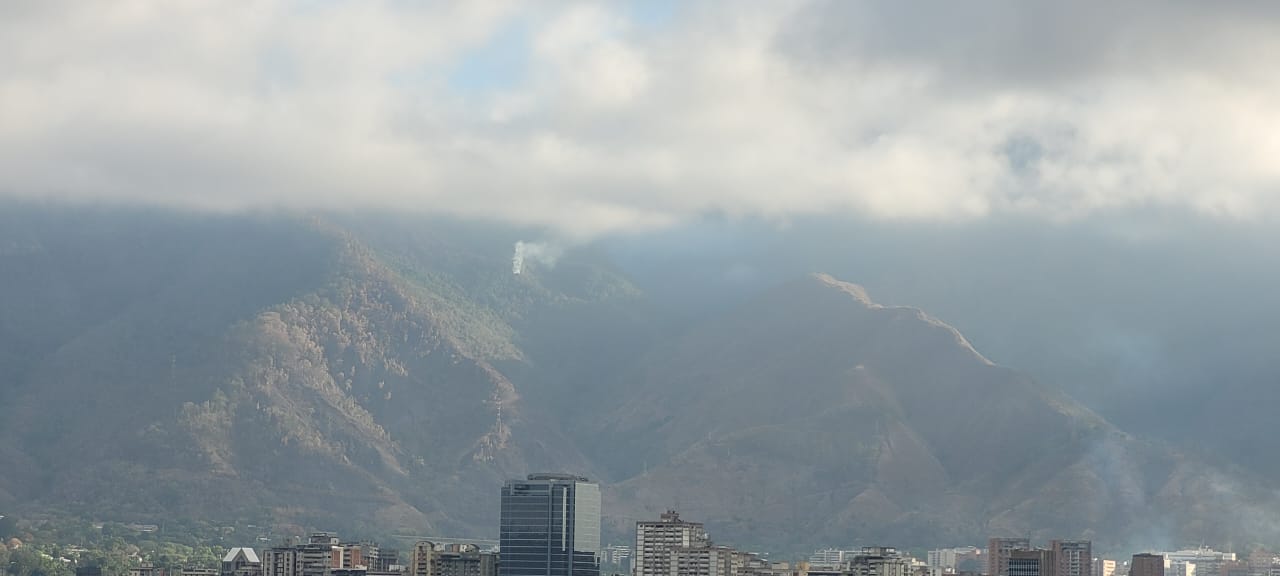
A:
430, 559
238, 562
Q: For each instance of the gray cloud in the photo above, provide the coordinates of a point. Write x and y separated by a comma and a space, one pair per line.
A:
892, 110
1007, 43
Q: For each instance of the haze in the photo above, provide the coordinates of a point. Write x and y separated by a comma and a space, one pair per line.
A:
1088, 191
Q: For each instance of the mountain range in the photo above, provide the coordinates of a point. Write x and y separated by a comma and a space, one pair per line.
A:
372, 374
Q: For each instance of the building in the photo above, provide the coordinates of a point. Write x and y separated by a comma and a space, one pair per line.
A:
618, 558
1264, 563
1072, 557
998, 551
1234, 568
1196, 562
1104, 567
656, 540
701, 561
956, 560
829, 558
430, 559
359, 555
1147, 565
280, 561
322, 555
146, 571
1032, 562
879, 561
239, 562
550, 526
388, 561
198, 572
673, 547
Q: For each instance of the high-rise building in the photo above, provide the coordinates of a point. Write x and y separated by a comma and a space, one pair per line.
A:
1147, 565
1035, 562
998, 551
656, 540
550, 526
280, 561
1072, 557
1104, 567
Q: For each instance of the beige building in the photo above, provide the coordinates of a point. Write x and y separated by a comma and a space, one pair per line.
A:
430, 559
998, 551
1072, 557
321, 555
655, 542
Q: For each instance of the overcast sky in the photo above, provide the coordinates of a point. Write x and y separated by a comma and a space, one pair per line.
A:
598, 117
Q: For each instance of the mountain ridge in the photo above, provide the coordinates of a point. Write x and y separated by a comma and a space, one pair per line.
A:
386, 379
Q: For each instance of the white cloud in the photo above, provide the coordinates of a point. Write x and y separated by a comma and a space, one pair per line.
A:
912, 110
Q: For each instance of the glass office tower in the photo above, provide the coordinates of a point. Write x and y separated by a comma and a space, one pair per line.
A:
550, 527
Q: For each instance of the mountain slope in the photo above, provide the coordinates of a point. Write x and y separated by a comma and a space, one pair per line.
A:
816, 413
353, 395
385, 376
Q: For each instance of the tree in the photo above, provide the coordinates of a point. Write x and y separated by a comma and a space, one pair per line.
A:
27, 561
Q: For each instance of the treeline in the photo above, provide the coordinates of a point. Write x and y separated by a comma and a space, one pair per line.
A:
56, 546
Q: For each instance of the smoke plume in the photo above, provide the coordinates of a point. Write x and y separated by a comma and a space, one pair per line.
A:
541, 252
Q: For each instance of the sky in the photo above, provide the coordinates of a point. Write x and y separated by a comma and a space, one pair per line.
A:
598, 118
1088, 189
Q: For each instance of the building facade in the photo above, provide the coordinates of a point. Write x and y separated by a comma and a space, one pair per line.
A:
955, 560
656, 540
1147, 565
550, 526
1196, 562
1072, 557
240, 562
998, 551
1034, 562
321, 555
879, 561
430, 559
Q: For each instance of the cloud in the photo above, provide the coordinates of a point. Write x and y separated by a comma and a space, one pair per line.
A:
894, 110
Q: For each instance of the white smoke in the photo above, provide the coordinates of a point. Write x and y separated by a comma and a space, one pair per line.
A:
540, 252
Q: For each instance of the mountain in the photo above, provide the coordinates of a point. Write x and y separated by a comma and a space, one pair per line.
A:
813, 413
384, 375
259, 368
